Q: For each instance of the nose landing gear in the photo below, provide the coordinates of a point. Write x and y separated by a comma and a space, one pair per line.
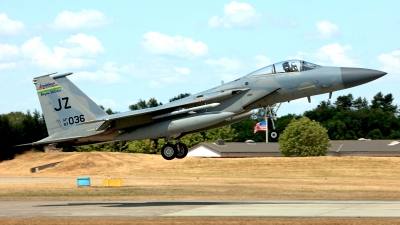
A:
270, 114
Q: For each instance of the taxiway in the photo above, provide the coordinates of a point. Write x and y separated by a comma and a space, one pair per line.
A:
276, 208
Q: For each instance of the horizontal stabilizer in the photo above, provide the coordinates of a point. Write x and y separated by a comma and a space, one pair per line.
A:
50, 141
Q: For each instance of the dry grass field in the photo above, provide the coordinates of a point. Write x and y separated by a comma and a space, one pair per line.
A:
150, 177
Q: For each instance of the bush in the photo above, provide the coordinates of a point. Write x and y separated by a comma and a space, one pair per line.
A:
375, 134
304, 137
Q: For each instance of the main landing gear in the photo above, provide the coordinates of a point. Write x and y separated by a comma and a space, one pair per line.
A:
170, 151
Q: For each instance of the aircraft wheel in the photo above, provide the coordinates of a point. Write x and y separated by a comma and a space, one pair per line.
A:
168, 151
274, 135
182, 150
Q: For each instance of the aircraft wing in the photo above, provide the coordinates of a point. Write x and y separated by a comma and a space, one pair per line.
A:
186, 105
153, 110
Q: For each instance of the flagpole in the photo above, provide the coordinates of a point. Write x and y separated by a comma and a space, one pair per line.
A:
266, 124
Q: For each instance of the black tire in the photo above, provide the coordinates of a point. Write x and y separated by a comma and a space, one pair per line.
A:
274, 135
182, 150
168, 151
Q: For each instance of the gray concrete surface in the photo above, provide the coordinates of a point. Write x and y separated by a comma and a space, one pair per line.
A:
199, 208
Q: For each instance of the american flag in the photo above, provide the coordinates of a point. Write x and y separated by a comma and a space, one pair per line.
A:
261, 126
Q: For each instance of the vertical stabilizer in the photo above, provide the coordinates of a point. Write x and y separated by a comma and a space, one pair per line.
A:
63, 104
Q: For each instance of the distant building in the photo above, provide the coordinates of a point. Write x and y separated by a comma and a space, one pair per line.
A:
51, 148
262, 149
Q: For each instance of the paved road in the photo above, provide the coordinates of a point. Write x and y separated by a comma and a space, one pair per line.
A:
200, 208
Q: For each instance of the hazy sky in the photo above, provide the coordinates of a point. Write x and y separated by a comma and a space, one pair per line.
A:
123, 51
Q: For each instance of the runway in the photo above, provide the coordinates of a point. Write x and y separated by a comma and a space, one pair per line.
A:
279, 208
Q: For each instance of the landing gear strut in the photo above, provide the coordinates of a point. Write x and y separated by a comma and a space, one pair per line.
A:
274, 135
170, 151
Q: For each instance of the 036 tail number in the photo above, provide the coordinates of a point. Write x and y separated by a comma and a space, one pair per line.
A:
73, 120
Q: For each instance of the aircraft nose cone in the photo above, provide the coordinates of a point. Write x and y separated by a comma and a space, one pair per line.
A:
356, 76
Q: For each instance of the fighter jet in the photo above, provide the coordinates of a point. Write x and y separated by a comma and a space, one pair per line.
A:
73, 119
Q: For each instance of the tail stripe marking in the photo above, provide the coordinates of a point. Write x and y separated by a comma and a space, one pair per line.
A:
48, 88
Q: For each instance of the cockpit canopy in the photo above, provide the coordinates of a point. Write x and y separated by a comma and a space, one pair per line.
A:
285, 67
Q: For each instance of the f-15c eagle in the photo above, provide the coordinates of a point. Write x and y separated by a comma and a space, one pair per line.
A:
73, 119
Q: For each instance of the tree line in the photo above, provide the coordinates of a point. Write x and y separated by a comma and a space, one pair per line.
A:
350, 119
347, 118
20, 128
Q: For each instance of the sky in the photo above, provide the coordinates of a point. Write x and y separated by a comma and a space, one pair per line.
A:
123, 51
